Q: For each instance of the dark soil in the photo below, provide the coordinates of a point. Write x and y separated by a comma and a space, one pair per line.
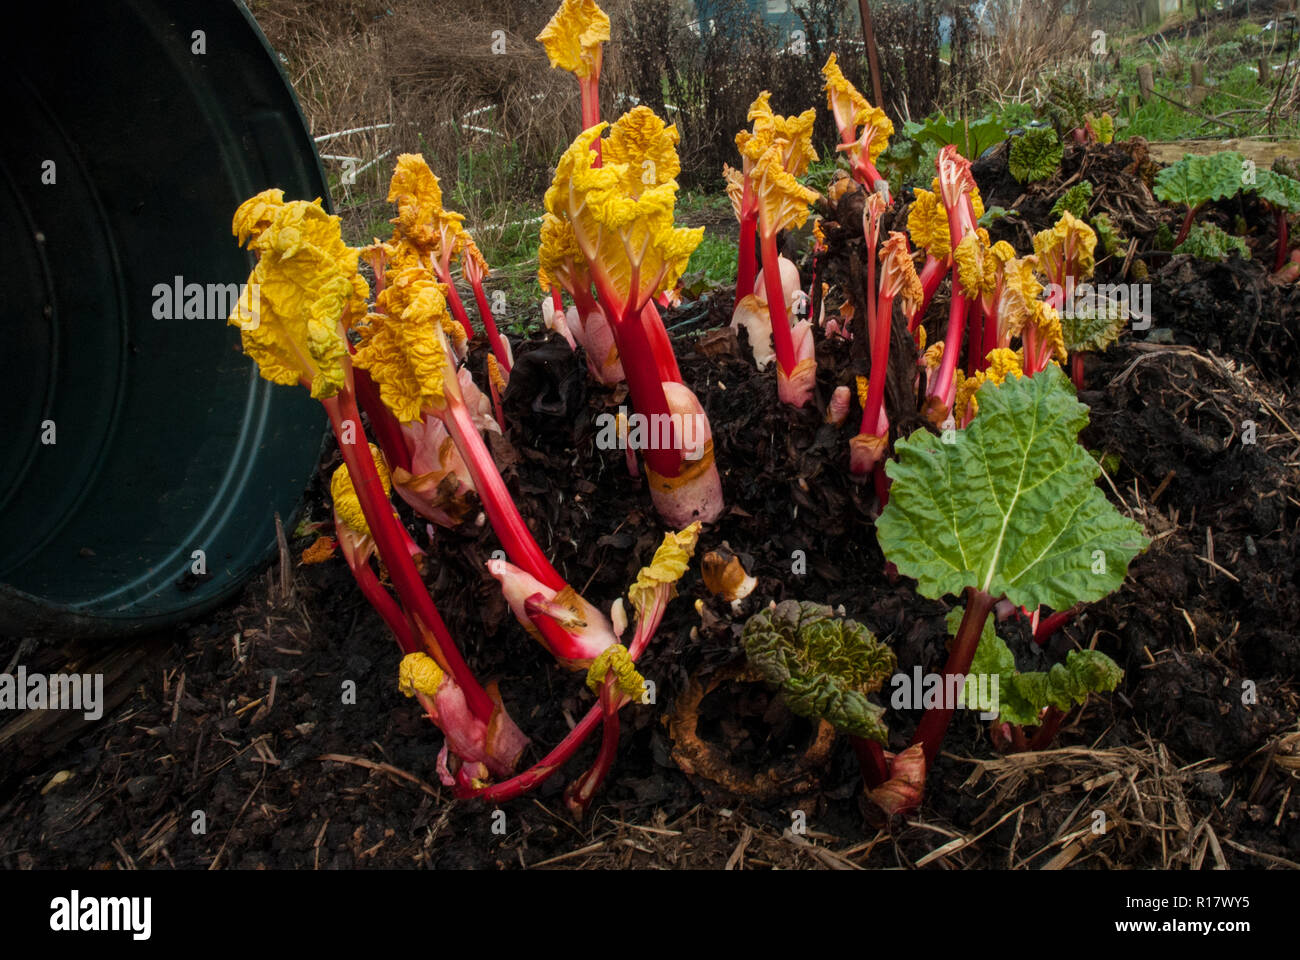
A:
243, 717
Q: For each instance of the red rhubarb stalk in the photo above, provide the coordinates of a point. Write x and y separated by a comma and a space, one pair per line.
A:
1280, 260
504, 516
782, 340
387, 431
747, 266
933, 726
393, 551
489, 324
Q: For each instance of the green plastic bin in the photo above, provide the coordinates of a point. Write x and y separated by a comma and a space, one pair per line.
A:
134, 129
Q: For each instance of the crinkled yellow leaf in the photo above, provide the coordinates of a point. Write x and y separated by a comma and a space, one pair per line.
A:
617, 658
753, 143
1020, 290
791, 135
735, 188
666, 568
977, 268
419, 673
898, 277
647, 146
472, 260
798, 152
964, 396
1048, 321
405, 351
853, 110
422, 222
559, 258
1003, 252
628, 242
927, 222
842, 97
1066, 249
1002, 364
863, 385
573, 37
347, 507
308, 293
933, 356
255, 215
782, 200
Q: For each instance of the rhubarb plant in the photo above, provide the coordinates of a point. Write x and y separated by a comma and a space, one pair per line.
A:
898, 280
575, 41
1066, 256
1009, 509
1197, 179
1034, 155
1282, 194
621, 219
852, 110
767, 198
313, 324
311, 298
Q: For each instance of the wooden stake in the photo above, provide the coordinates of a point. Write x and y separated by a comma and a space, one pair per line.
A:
873, 58
1146, 81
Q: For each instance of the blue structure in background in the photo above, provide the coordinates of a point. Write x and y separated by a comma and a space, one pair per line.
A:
778, 14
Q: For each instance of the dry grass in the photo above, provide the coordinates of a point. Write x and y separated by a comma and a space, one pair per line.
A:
1021, 39
464, 84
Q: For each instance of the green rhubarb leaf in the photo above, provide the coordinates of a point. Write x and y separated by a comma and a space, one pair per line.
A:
1200, 178
1021, 697
1075, 201
825, 665
993, 214
971, 139
1209, 242
1010, 506
1034, 155
1069, 683
1278, 190
1093, 328
1109, 238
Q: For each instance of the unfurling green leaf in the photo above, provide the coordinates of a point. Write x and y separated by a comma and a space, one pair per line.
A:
1109, 238
1022, 697
825, 665
1199, 178
1093, 328
1011, 508
1034, 155
1075, 201
1103, 126
1208, 242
